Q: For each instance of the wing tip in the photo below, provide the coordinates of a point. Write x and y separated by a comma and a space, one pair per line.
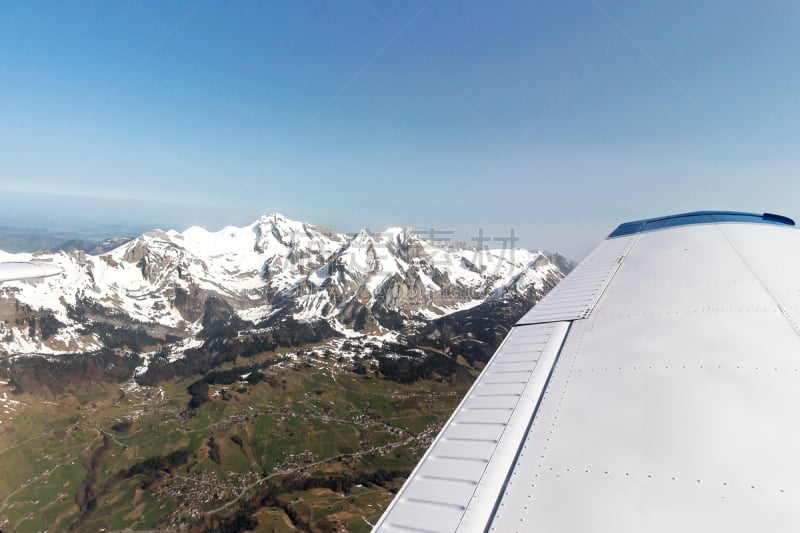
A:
697, 217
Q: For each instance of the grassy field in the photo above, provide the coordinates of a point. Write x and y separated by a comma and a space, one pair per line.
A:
314, 446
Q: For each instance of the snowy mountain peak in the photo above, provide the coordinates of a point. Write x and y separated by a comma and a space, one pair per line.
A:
164, 280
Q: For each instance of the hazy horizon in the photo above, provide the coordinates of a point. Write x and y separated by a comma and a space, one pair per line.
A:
96, 221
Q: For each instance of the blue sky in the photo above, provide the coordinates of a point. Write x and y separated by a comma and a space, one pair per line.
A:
557, 119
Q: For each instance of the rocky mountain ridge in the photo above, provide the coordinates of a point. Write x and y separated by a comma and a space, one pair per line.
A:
171, 288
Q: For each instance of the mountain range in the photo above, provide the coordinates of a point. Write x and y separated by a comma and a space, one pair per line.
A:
170, 288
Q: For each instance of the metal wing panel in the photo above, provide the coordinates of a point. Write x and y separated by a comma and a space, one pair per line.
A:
576, 295
675, 405
461, 476
771, 256
689, 270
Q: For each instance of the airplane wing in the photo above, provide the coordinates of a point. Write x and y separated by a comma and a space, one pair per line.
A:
656, 388
16, 271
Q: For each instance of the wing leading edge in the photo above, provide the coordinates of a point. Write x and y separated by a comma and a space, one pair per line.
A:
656, 388
19, 271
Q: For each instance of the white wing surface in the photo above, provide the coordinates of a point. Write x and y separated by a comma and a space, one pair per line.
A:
15, 271
656, 388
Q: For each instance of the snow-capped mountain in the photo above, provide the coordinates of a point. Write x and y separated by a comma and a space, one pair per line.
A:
172, 285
